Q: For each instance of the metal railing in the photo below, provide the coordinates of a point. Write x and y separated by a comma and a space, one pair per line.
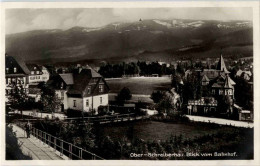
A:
73, 152
104, 118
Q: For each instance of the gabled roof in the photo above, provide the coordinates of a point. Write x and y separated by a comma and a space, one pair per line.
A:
67, 78
221, 65
228, 83
205, 78
81, 80
216, 85
11, 62
93, 72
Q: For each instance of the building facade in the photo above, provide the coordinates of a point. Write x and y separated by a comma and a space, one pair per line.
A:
37, 73
215, 84
16, 74
83, 89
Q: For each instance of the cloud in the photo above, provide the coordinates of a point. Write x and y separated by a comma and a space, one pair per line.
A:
20, 20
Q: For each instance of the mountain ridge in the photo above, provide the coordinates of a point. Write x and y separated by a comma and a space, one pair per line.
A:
132, 40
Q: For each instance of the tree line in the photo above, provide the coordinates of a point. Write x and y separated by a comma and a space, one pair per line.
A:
140, 68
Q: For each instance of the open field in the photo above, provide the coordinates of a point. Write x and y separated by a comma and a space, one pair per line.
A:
154, 130
139, 85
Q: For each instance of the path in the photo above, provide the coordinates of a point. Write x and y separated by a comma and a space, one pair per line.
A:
35, 148
42, 115
221, 121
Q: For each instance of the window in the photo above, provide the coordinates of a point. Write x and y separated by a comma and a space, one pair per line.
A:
213, 91
74, 103
15, 69
9, 80
230, 92
7, 70
89, 89
100, 100
87, 103
220, 92
37, 72
32, 72
32, 78
62, 95
100, 88
34, 68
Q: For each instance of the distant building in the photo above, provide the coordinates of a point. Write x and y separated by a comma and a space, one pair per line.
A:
205, 105
37, 73
246, 74
215, 83
83, 89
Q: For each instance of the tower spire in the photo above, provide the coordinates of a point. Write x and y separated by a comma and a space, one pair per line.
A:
221, 65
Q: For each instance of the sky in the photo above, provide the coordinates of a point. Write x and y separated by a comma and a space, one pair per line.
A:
21, 20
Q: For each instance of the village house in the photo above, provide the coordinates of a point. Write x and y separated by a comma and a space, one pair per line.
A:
16, 74
37, 75
215, 83
83, 89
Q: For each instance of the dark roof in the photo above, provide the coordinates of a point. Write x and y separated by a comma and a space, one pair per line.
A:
67, 78
81, 80
33, 67
223, 81
216, 85
11, 62
78, 81
210, 73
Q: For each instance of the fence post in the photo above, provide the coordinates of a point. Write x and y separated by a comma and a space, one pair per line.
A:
80, 153
61, 146
49, 140
44, 138
41, 136
70, 151
55, 143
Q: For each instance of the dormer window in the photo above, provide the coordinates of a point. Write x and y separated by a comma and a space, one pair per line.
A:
100, 88
15, 69
89, 90
32, 72
34, 68
37, 72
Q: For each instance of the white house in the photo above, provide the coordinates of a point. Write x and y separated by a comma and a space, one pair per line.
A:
83, 89
37, 74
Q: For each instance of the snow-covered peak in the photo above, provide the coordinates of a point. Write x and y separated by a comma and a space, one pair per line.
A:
91, 29
168, 25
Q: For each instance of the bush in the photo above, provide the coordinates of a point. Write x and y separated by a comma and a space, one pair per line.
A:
13, 151
76, 113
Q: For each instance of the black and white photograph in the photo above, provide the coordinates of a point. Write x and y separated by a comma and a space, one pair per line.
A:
137, 83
